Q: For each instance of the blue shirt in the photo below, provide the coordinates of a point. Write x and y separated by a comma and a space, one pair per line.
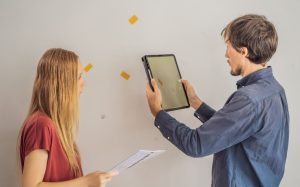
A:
248, 136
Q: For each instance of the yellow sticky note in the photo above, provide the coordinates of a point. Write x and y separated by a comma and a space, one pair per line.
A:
88, 67
125, 75
133, 19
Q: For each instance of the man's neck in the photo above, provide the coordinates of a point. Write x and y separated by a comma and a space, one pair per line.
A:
251, 67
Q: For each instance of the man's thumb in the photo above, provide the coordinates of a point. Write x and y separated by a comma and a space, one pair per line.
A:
153, 82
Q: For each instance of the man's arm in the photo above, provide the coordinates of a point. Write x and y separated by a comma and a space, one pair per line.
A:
204, 112
232, 124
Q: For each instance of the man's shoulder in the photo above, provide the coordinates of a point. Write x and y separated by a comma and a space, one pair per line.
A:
261, 90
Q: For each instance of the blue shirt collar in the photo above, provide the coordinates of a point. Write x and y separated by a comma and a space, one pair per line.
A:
255, 76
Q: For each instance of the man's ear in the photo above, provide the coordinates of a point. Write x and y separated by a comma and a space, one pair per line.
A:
244, 51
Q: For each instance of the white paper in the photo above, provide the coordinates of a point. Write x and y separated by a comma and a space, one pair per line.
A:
136, 158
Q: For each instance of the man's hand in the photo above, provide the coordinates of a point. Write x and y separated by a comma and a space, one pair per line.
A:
154, 98
194, 100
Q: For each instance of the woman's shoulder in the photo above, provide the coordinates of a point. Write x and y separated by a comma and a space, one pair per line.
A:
39, 120
37, 133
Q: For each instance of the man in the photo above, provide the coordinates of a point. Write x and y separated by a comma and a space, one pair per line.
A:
249, 135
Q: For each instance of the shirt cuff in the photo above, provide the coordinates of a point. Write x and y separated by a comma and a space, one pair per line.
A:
166, 124
204, 112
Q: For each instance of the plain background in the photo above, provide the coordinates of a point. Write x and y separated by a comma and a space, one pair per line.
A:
115, 119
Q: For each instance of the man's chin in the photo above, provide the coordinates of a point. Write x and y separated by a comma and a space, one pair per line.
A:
234, 73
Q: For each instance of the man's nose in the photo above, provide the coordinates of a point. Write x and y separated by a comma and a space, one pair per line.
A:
226, 55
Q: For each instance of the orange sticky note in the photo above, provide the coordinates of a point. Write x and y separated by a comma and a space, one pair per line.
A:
133, 19
125, 75
88, 67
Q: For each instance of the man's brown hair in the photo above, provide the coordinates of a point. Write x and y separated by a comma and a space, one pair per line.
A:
255, 33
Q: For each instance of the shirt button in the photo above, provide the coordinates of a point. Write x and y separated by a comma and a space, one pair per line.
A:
158, 126
168, 138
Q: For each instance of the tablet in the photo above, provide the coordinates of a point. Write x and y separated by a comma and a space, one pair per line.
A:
164, 69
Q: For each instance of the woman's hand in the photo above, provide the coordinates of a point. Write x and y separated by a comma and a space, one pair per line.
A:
98, 179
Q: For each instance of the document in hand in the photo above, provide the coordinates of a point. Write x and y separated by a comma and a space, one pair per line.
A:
139, 156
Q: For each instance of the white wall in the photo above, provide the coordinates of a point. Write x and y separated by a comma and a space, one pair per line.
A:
99, 32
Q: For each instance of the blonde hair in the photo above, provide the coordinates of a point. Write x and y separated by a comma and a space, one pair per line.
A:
55, 94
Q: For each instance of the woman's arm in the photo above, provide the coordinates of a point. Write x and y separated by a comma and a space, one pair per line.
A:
35, 167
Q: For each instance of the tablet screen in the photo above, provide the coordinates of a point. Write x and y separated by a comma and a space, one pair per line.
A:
164, 70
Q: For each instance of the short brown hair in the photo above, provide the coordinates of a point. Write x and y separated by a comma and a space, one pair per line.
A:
255, 33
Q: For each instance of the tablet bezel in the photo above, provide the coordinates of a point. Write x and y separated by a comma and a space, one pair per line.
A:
149, 76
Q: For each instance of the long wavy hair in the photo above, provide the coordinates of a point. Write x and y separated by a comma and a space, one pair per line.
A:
55, 94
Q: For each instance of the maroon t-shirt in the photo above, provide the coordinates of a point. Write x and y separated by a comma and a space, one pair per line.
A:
39, 133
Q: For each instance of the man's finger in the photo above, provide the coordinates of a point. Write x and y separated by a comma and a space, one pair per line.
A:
154, 85
185, 83
148, 90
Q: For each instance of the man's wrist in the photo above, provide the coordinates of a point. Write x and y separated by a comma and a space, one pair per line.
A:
156, 111
197, 104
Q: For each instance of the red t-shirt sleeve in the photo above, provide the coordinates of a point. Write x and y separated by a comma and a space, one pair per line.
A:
38, 136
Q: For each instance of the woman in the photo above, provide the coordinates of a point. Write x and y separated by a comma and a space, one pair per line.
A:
48, 151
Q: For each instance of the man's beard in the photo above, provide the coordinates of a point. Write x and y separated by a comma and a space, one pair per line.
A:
237, 72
